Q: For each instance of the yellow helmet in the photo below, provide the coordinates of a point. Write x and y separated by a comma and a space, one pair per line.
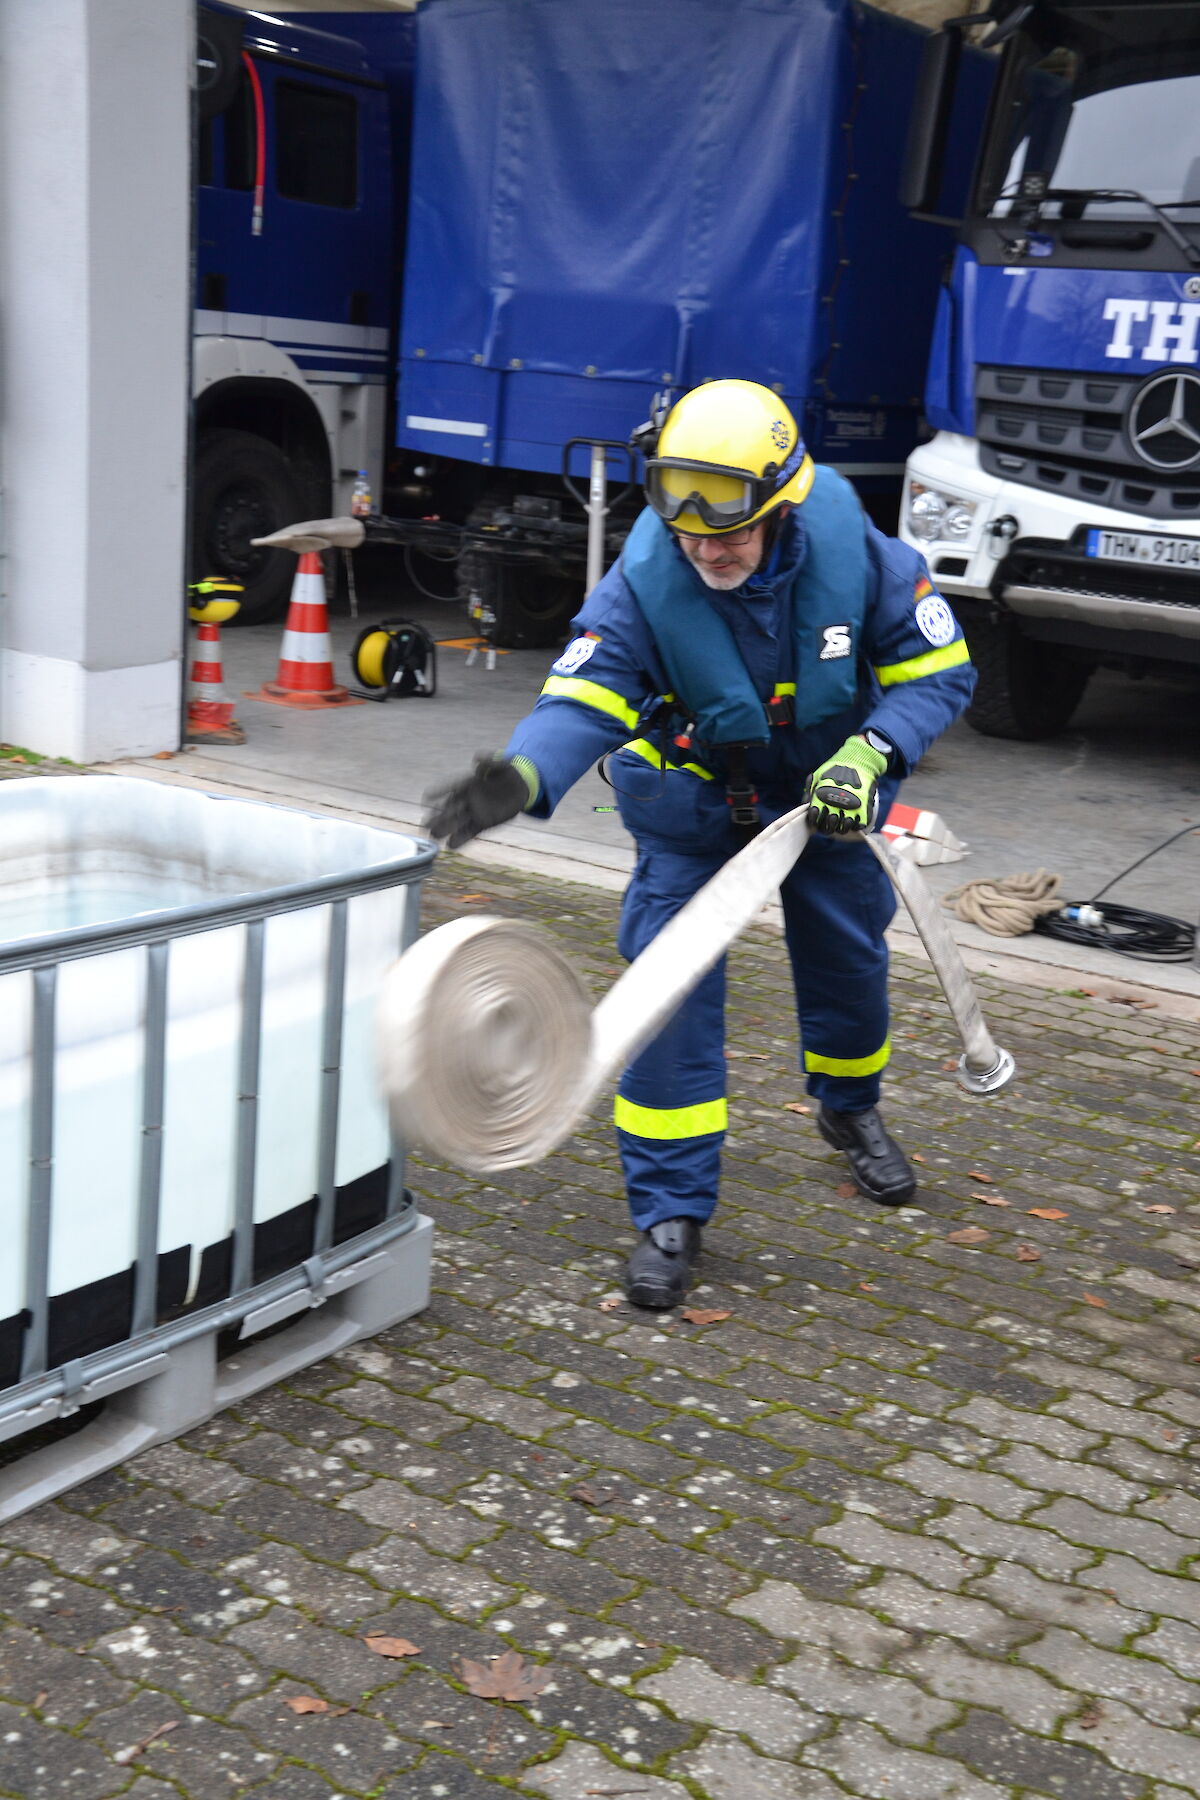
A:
728, 454
211, 601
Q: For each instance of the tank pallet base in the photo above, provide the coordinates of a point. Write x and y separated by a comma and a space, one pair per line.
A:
167, 1391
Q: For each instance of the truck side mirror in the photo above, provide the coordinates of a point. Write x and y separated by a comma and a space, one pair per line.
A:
929, 124
218, 60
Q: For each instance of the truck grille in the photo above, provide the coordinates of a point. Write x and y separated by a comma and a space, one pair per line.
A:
1065, 433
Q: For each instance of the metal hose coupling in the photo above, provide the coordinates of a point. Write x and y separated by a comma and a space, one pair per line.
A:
987, 1080
490, 1051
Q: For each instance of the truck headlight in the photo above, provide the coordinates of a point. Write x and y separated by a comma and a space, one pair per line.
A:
933, 514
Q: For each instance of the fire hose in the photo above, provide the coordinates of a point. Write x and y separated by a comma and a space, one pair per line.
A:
490, 1051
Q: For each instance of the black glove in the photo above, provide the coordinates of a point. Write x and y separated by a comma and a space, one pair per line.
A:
496, 790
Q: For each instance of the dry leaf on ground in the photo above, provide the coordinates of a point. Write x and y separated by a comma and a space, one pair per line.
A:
510, 1677
1158, 1209
390, 1646
305, 1703
916, 1157
704, 1315
470, 896
796, 1106
1091, 1716
992, 1199
1046, 1212
1170, 1436
970, 1234
612, 1302
845, 1190
978, 1175
868, 1287
1095, 1300
949, 1067
1027, 1253
587, 1495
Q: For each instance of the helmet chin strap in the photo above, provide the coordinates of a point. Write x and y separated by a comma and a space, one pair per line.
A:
772, 526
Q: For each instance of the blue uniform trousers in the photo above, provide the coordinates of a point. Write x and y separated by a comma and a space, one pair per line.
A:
670, 1108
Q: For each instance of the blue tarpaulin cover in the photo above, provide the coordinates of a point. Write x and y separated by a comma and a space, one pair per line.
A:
610, 196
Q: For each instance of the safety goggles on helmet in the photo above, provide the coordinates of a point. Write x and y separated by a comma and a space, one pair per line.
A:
722, 498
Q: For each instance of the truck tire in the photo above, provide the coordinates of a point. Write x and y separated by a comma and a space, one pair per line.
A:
1027, 690
243, 488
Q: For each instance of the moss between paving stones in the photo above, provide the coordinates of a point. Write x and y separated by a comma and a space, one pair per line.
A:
925, 1459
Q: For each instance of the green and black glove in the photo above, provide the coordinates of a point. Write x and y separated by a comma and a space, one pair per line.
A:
496, 790
843, 793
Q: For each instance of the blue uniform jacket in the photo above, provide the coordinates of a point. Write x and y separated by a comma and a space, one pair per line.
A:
914, 679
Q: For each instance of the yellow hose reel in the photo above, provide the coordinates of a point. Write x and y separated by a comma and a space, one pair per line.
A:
394, 659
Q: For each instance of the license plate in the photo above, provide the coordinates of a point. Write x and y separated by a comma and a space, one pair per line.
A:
1140, 547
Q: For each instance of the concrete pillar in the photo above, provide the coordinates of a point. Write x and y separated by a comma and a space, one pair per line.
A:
95, 321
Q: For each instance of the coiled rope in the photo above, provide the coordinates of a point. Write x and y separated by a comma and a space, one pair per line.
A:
490, 1052
1007, 906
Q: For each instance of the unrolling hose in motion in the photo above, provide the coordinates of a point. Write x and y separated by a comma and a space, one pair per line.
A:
490, 1051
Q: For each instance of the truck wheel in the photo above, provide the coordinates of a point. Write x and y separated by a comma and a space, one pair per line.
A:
243, 488
1027, 690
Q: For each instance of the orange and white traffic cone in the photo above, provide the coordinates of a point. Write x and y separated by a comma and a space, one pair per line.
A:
305, 676
210, 717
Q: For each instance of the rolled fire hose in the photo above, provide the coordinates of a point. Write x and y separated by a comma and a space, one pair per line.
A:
490, 1051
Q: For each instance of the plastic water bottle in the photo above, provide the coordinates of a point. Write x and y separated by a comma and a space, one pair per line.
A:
360, 496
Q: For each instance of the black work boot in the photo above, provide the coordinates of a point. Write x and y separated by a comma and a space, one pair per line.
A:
660, 1267
877, 1163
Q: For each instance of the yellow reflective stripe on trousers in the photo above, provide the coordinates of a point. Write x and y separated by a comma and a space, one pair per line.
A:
932, 663
589, 693
671, 1122
650, 753
848, 1065
783, 688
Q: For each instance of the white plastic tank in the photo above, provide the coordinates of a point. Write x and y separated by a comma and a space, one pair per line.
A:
93, 869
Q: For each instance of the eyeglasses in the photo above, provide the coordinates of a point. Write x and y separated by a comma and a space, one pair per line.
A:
735, 539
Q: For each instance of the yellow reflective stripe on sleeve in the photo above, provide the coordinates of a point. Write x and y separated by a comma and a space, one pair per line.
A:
932, 663
650, 753
848, 1065
589, 693
671, 1122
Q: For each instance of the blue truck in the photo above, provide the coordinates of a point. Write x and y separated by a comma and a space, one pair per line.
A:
445, 247
1059, 501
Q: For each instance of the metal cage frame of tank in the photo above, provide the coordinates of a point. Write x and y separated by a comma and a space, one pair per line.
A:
166, 1378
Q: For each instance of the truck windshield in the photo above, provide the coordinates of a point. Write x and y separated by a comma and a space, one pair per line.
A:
1103, 100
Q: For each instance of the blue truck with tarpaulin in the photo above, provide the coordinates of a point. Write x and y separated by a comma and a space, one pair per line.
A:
501, 227
1058, 503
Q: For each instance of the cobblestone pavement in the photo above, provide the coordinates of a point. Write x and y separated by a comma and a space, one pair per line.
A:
911, 1519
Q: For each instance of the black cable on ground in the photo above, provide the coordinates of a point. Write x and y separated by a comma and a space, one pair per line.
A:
1126, 930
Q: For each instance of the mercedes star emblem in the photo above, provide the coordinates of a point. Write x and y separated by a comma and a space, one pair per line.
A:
1164, 422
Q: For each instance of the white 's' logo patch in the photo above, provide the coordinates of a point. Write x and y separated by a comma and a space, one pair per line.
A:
935, 621
575, 655
835, 642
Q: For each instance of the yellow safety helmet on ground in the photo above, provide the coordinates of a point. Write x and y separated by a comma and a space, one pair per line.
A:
728, 454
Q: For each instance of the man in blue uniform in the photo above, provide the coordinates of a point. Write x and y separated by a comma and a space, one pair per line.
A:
758, 643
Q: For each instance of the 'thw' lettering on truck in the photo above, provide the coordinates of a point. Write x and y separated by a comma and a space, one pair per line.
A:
605, 200
1059, 501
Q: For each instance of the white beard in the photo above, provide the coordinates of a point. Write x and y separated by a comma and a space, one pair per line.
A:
724, 584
